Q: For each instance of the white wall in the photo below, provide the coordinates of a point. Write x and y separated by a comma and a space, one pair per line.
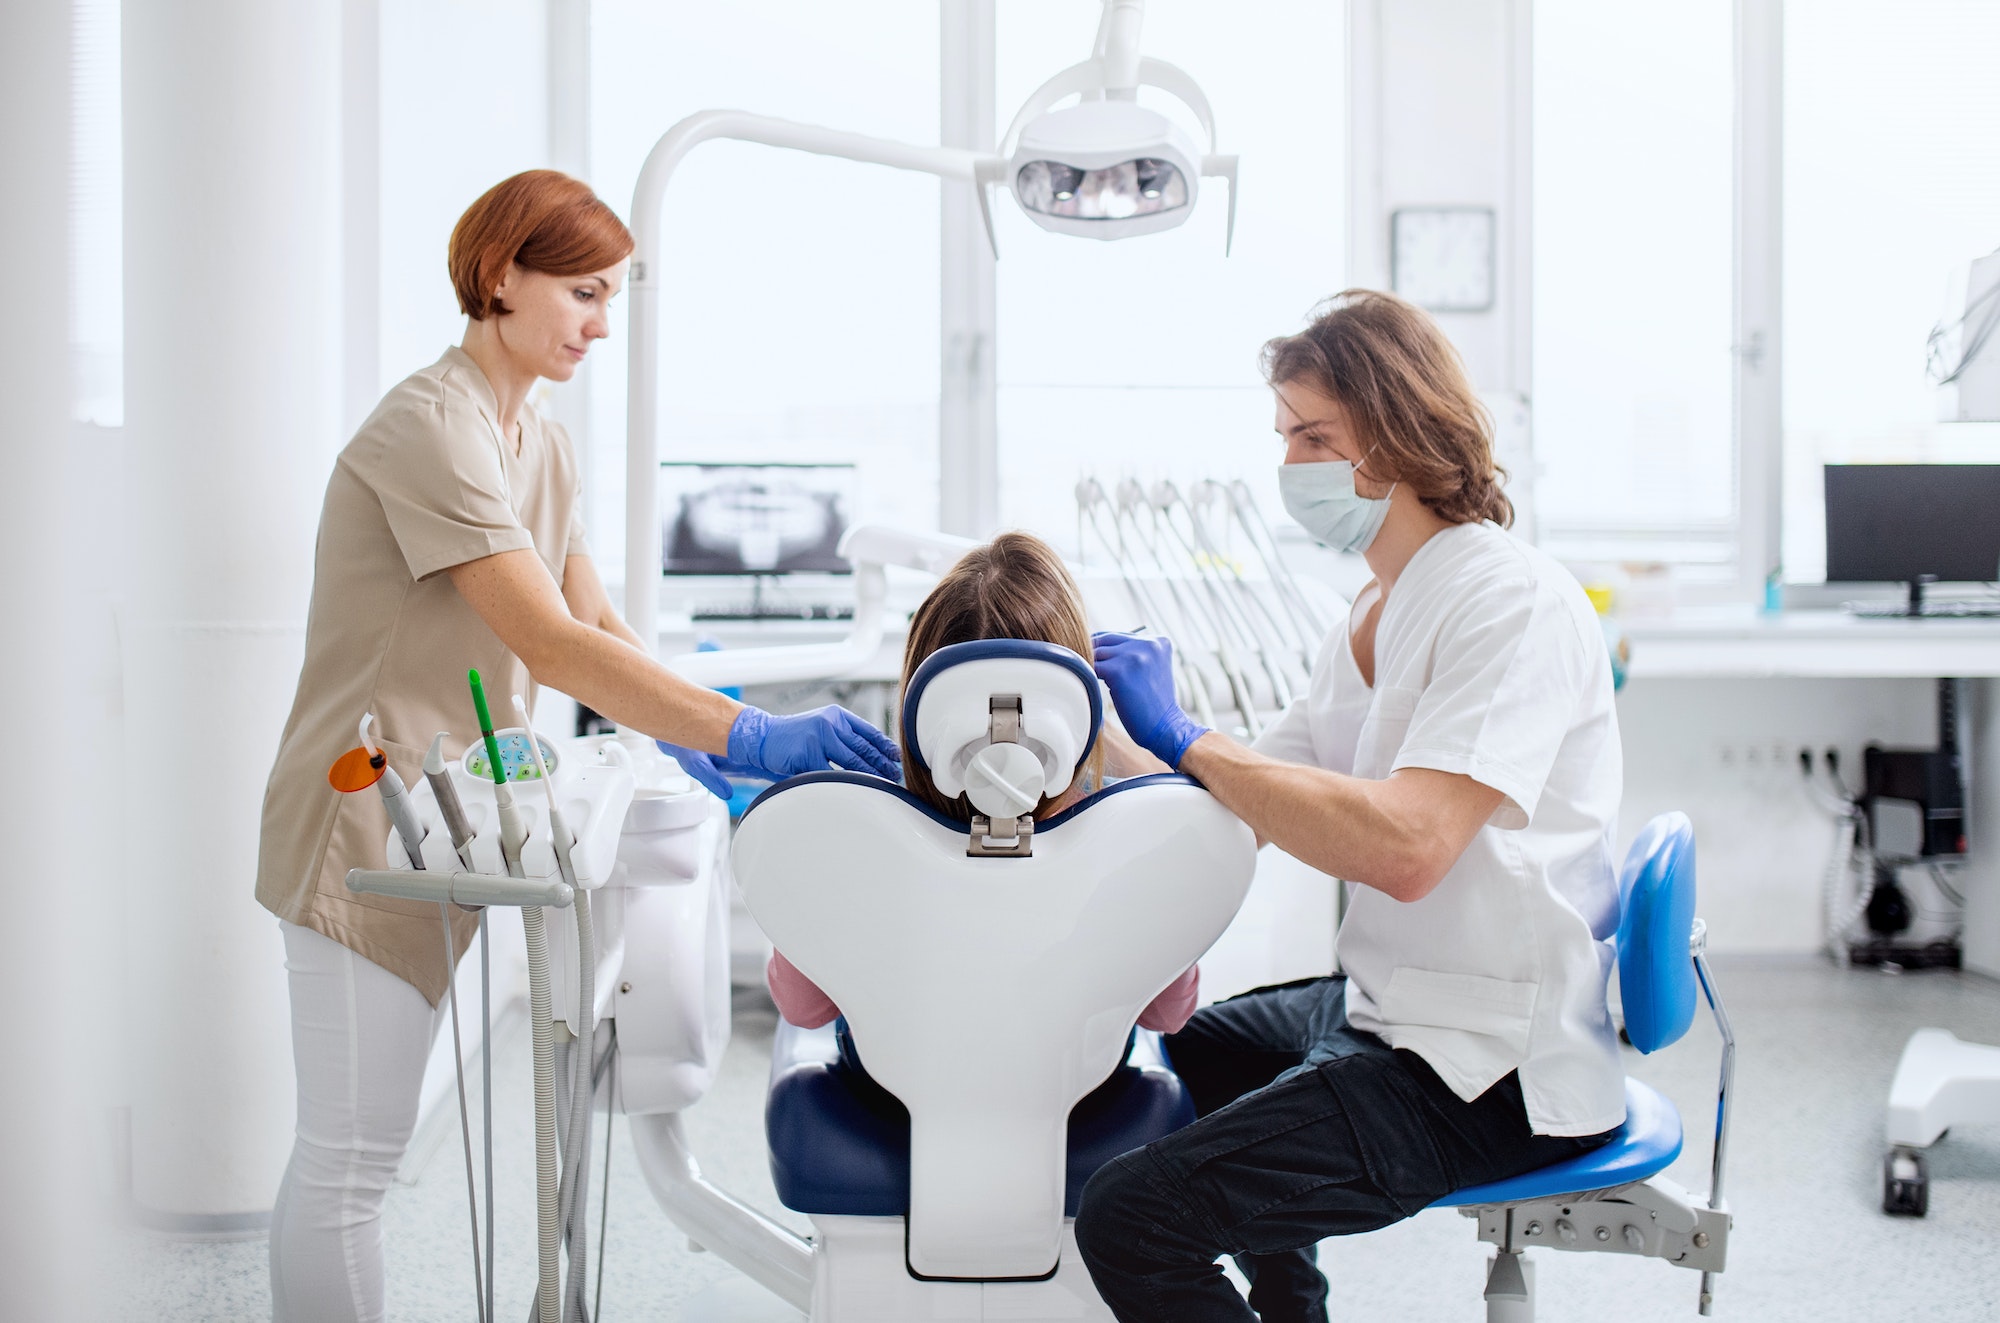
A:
1726, 753
1439, 105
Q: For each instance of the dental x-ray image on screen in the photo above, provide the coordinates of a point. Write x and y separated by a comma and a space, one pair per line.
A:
754, 518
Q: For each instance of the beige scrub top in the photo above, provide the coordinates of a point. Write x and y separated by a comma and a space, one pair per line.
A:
426, 484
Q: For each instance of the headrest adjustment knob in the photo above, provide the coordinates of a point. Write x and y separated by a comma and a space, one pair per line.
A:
1004, 780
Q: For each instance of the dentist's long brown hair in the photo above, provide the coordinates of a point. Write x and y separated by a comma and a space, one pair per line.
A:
1014, 587
1406, 393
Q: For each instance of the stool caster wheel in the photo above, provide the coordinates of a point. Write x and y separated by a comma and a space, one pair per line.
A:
1906, 1183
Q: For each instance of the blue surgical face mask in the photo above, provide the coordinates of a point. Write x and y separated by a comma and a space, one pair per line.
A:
1322, 498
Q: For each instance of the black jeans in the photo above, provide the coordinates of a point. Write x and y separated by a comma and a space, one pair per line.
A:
1309, 1128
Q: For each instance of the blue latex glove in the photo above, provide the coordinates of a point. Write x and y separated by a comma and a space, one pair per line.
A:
811, 742
1139, 672
706, 768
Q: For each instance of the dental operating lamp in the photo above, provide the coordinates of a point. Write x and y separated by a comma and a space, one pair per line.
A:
1105, 167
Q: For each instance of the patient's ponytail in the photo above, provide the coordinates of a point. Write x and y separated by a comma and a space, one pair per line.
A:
1014, 587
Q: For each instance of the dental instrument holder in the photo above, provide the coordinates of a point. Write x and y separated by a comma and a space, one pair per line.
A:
596, 798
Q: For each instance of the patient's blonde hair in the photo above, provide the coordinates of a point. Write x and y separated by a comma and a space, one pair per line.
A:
1014, 587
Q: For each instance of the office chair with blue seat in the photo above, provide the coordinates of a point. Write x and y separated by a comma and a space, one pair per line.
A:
1614, 1199
990, 973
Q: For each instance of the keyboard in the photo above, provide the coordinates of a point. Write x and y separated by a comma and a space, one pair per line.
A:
1931, 610
746, 609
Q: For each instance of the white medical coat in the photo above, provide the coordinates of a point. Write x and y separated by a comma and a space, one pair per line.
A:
1489, 663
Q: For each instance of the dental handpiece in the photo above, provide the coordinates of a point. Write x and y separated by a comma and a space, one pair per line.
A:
558, 830
401, 812
448, 803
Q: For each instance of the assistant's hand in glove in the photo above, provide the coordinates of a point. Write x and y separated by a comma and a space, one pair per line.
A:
770, 748
706, 768
811, 742
1139, 672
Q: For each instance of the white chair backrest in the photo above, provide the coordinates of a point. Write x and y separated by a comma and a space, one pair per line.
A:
990, 994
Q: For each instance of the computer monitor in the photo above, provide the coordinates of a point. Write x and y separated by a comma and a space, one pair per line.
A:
1913, 523
754, 518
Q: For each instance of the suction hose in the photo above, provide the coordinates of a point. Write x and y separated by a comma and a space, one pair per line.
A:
576, 1150
541, 1023
548, 1292
575, 1168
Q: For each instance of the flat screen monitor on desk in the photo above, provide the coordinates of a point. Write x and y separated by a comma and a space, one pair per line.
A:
757, 541
754, 518
1916, 524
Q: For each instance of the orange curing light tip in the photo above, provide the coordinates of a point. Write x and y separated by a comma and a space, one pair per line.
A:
357, 769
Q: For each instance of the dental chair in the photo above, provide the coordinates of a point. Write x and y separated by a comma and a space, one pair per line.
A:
1614, 1199
989, 974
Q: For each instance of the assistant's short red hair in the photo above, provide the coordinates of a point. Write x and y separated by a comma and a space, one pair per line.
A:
544, 220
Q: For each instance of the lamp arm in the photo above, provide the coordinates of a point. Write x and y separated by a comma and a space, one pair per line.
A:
642, 423
1119, 34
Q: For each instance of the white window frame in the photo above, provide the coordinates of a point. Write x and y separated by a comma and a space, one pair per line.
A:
1758, 347
1742, 547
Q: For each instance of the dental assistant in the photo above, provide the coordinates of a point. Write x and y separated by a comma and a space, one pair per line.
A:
1456, 761
451, 538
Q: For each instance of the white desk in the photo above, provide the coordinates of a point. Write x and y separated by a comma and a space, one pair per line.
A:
1739, 643
678, 634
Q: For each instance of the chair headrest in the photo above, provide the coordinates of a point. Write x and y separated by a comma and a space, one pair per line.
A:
948, 721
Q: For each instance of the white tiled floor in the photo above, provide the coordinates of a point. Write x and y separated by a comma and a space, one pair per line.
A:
1817, 1048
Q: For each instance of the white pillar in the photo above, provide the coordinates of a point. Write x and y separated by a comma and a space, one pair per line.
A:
569, 152
968, 394
1759, 215
233, 406
361, 211
44, 1124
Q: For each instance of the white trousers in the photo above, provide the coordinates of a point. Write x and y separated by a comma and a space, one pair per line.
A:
360, 1039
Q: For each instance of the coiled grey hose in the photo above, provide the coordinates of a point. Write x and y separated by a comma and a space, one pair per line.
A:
1850, 844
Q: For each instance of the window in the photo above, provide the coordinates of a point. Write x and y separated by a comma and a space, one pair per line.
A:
799, 293
1139, 357
1891, 116
1634, 432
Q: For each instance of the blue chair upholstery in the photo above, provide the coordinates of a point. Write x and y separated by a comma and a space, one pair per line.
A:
1656, 981
840, 1144
1644, 1146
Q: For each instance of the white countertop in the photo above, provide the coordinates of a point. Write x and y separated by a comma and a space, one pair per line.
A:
1739, 642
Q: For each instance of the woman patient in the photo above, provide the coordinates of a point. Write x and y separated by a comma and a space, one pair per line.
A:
1014, 587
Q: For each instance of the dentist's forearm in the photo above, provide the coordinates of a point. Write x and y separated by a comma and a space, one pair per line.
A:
1399, 836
